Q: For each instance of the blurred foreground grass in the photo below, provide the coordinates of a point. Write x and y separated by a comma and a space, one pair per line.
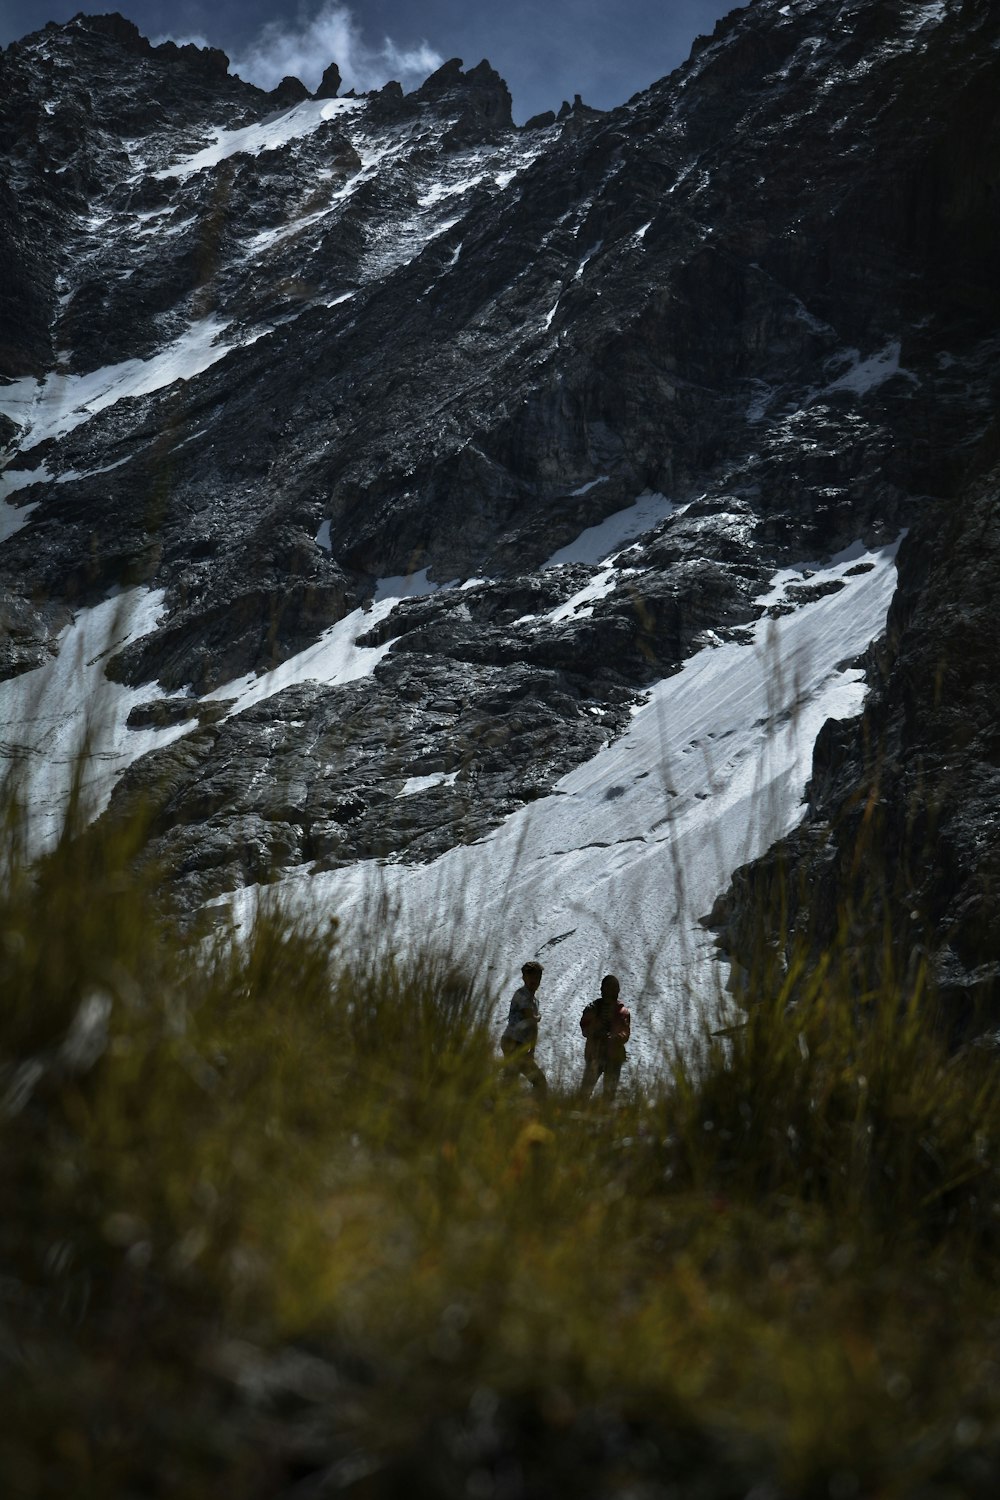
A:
274, 1224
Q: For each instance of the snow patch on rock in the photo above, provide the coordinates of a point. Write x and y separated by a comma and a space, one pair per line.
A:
334, 658
864, 375
414, 784
52, 407
598, 542
52, 715
266, 135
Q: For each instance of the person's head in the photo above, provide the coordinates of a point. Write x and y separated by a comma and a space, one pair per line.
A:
531, 973
609, 988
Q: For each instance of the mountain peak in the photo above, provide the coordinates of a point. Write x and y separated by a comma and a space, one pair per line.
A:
481, 88
116, 26
208, 62
329, 84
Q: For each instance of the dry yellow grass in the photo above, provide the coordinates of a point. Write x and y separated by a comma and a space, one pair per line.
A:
270, 1221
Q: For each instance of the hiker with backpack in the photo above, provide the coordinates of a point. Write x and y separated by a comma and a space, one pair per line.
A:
521, 1032
607, 1025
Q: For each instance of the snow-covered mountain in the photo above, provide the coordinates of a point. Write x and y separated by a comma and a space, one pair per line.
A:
480, 523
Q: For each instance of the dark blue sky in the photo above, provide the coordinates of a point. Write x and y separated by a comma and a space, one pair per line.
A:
546, 49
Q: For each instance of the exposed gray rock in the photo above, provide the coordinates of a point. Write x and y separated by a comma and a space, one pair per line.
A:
480, 94
331, 766
329, 84
27, 633
896, 870
288, 92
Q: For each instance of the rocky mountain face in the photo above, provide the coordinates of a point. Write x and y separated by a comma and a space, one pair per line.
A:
375, 372
896, 867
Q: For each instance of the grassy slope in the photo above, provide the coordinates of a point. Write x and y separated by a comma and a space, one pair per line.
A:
267, 1223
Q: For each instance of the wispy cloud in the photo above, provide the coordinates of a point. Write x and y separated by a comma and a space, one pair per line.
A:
306, 45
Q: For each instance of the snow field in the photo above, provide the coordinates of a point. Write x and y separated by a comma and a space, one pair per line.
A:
52, 407
266, 135
414, 784
597, 543
51, 715
866, 375
860, 377
12, 515
404, 586
19, 479
582, 602
614, 869
335, 658
600, 545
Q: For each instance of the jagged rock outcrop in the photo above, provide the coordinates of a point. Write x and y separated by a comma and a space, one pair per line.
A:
288, 92
573, 116
480, 97
268, 363
330, 83
896, 869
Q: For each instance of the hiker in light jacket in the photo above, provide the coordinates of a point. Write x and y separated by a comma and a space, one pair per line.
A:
607, 1024
521, 1032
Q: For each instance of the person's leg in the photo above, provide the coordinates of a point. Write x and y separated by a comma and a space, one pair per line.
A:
612, 1073
508, 1047
590, 1075
534, 1075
